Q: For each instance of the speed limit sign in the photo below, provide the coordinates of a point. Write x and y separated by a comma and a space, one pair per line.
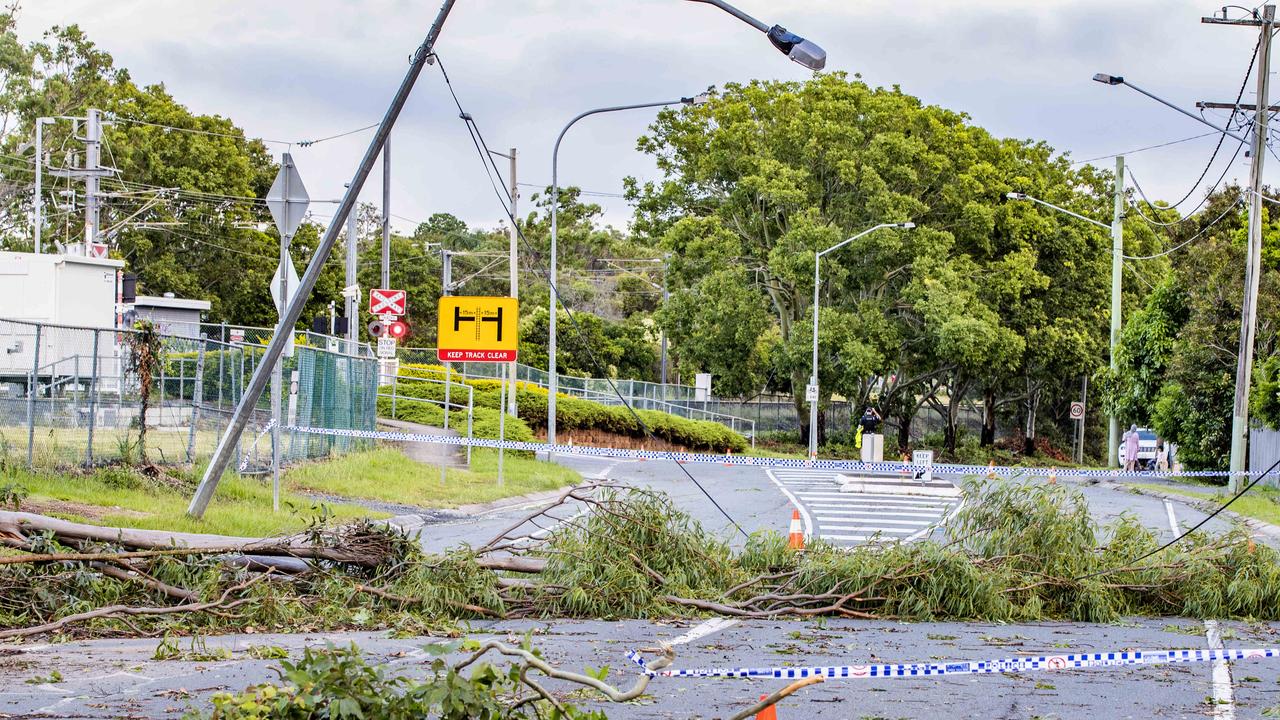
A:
1077, 411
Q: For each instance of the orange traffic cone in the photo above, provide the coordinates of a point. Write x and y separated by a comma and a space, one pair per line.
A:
991, 470
729, 455
1053, 478
768, 713
795, 540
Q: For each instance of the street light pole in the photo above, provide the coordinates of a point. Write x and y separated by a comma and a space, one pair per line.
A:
1248, 307
39, 199
1117, 268
552, 377
813, 375
513, 237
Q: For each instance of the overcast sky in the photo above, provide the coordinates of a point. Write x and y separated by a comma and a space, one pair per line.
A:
303, 69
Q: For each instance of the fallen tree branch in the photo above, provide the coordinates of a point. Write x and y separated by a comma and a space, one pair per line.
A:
537, 663
135, 575
127, 610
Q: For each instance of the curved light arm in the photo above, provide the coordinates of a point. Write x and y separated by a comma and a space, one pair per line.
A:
881, 226
1078, 216
1106, 79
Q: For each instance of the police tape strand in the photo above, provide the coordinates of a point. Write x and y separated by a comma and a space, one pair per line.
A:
981, 667
244, 462
687, 457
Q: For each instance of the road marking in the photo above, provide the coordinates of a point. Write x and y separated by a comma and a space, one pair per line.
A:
855, 502
886, 521
870, 513
1223, 702
804, 514
1173, 521
880, 497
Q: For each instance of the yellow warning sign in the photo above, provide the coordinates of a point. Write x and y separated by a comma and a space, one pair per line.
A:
478, 329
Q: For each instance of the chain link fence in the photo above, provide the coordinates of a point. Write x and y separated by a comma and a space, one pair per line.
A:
70, 396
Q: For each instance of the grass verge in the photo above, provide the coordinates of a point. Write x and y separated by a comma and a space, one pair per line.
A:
1260, 503
121, 497
386, 474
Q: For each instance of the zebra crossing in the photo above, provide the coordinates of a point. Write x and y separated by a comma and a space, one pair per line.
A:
851, 518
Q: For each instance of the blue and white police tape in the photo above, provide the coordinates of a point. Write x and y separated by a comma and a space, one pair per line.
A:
686, 457
244, 462
979, 667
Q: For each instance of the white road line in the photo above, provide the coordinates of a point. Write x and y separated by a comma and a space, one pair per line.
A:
854, 538
854, 502
869, 528
946, 519
804, 514
1173, 521
837, 495
873, 514
885, 520
1223, 702
704, 629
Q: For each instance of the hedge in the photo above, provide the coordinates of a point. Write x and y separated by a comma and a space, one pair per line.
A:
573, 413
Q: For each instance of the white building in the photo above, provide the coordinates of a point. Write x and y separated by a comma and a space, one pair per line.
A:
171, 315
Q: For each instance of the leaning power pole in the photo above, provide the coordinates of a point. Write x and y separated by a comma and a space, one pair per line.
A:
1265, 22
288, 319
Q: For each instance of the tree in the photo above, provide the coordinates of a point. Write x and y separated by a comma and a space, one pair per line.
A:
767, 174
588, 345
715, 327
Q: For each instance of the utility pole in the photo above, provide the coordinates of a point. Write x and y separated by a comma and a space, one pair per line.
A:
1253, 254
39, 198
514, 235
92, 158
1117, 278
386, 213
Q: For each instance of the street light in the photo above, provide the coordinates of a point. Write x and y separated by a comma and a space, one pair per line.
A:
1253, 248
553, 379
1117, 270
811, 393
801, 51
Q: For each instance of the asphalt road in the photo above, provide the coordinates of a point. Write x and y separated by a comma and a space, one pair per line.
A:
110, 679
113, 678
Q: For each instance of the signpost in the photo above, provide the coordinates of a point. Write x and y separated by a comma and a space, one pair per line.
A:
1077, 411
478, 329
386, 347
288, 201
1077, 414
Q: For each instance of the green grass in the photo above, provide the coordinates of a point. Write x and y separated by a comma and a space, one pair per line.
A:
387, 474
1260, 503
242, 506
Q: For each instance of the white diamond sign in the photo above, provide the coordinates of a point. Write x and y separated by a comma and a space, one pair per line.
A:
288, 199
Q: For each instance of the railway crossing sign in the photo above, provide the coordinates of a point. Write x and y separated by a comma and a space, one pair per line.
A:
478, 329
388, 302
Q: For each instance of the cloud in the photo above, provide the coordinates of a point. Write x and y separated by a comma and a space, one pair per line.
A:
299, 69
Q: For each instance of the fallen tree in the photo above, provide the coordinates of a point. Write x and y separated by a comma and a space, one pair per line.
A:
1018, 552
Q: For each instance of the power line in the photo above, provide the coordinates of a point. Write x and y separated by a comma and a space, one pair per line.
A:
309, 143
487, 159
194, 131
1188, 241
1144, 149
1199, 205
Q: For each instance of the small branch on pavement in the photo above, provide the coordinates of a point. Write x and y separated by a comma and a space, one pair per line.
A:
773, 699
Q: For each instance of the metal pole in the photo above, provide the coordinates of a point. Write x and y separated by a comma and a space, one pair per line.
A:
502, 426
1253, 262
471, 411
197, 394
92, 153
813, 373
1117, 275
515, 285
386, 213
31, 398
209, 483
39, 197
552, 377
351, 309
93, 399
666, 297
1084, 400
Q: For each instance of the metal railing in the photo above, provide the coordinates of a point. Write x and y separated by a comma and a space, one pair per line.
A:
68, 397
446, 403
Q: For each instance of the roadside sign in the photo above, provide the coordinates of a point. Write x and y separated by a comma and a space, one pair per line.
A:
811, 393
1077, 411
288, 199
386, 347
923, 458
388, 302
236, 336
478, 329
97, 250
